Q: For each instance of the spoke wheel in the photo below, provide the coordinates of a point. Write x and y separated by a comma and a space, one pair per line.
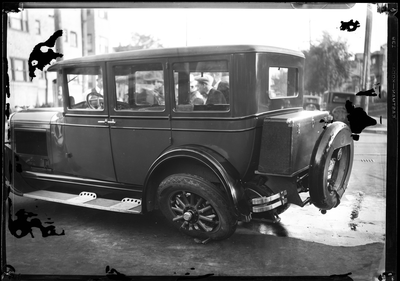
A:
193, 211
337, 169
196, 207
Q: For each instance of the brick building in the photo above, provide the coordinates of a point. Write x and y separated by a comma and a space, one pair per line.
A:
85, 32
378, 71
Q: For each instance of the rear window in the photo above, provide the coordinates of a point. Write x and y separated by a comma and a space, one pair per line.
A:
283, 82
338, 98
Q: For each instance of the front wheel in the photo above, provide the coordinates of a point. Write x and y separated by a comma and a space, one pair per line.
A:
196, 207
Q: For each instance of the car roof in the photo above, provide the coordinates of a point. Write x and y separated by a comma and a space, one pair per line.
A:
177, 52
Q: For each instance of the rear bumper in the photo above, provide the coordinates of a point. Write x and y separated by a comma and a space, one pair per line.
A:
268, 203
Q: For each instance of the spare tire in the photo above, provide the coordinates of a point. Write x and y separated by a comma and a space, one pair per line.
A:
330, 166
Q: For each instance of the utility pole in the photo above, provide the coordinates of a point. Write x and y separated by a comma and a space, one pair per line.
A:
59, 49
367, 58
84, 42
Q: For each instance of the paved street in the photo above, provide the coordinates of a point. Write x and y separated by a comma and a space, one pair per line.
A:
349, 238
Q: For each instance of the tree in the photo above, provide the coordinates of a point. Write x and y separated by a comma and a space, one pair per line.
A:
327, 65
140, 41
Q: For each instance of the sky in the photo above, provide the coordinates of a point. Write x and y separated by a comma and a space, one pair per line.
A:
286, 28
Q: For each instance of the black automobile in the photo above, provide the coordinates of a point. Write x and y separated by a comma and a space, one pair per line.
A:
312, 102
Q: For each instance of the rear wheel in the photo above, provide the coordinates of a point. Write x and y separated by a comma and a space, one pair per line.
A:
196, 207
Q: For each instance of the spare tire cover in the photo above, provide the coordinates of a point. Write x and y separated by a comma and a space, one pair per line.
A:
330, 165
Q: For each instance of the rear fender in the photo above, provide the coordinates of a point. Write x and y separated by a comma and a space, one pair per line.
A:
226, 174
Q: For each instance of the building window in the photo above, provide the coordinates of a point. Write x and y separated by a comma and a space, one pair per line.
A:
103, 45
74, 39
65, 34
103, 14
19, 21
89, 42
37, 27
19, 69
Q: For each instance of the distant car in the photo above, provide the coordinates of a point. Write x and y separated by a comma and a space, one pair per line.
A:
312, 102
335, 102
130, 139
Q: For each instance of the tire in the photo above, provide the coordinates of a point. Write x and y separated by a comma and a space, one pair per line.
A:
330, 166
195, 206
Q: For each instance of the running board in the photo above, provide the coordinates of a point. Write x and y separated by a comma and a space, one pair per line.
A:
89, 200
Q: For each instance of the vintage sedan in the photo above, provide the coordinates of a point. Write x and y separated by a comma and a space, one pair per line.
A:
312, 102
209, 135
334, 103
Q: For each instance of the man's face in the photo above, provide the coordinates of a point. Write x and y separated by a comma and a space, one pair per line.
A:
100, 82
158, 84
202, 88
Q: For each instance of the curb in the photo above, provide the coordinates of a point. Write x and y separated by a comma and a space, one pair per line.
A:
376, 131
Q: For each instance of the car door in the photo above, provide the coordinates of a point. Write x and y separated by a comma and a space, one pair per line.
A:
139, 116
84, 147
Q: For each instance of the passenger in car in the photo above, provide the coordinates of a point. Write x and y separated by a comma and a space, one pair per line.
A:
195, 97
211, 95
223, 87
153, 93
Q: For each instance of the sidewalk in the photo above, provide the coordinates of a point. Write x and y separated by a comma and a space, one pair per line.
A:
378, 128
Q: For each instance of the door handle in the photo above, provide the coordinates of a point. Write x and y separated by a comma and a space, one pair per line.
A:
112, 121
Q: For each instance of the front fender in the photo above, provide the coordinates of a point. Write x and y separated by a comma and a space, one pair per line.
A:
227, 175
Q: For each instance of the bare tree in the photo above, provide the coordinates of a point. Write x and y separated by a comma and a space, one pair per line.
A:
140, 41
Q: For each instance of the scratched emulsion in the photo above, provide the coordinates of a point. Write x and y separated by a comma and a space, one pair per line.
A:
113, 274
371, 92
22, 226
39, 59
358, 118
349, 25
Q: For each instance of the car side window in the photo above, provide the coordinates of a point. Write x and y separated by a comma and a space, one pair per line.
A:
85, 88
139, 87
201, 86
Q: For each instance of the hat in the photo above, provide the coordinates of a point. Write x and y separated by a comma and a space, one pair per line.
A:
206, 79
152, 77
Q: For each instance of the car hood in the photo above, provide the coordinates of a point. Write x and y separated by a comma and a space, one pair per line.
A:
36, 116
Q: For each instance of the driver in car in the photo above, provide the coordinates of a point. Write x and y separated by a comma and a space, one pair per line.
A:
96, 100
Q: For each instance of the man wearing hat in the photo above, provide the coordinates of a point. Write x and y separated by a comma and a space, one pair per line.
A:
153, 93
212, 96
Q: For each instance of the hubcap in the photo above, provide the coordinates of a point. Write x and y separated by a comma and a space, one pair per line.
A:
187, 216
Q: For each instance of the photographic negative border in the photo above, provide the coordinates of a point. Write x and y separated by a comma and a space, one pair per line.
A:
392, 107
